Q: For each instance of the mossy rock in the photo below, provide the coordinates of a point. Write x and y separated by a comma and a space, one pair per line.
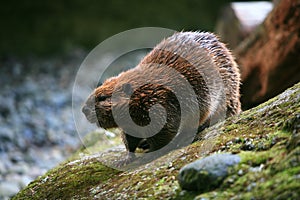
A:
266, 138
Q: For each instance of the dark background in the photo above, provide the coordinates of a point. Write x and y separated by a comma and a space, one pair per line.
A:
58, 26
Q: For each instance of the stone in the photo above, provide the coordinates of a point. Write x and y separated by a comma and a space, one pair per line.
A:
207, 173
6, 134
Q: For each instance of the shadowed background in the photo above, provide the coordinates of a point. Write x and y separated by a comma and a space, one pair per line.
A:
43, 27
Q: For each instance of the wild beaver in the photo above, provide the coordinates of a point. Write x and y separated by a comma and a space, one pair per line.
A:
199, 58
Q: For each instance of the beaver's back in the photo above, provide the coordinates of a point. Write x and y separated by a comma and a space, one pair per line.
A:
185, 60
206, 63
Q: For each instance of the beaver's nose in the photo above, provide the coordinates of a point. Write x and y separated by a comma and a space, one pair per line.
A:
86, 110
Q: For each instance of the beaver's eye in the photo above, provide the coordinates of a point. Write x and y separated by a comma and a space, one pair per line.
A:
102, 97
126, 87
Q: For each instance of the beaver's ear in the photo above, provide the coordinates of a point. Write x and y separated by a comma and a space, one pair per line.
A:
127, 88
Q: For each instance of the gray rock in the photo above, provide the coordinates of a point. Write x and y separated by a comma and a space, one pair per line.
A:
206, 173
6, 134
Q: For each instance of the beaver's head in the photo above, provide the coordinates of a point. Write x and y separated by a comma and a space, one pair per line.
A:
113, 93
97, 108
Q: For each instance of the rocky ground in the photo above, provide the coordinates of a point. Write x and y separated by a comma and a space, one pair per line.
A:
37, 129
260, 149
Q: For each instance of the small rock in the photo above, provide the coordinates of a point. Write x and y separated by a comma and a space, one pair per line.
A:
6, 134
257, 169
251, 186
205, 174
297, 176
248, 146
230, 180
240, 172
229, 143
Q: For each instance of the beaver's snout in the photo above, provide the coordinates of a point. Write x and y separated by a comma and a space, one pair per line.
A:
86, 110
89, 113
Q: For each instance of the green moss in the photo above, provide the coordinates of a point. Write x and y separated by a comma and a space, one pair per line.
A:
265, 137
71, 180
57, 27
254, 158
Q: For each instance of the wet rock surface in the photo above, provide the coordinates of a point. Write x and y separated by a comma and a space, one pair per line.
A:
37, 129
205, 174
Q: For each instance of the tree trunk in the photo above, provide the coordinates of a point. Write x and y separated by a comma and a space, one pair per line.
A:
270, 57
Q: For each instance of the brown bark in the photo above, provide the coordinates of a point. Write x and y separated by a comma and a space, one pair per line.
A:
270, 57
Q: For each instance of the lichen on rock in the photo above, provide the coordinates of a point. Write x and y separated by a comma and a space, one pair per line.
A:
269, 170
207, 173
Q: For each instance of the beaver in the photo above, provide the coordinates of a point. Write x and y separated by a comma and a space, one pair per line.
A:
200, 59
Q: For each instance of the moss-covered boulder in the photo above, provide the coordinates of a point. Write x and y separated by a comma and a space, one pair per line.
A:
207, 173
266, 138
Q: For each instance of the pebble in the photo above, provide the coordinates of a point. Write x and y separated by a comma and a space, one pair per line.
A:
251, 186
248, 146
207, 173
240, 172
6, 134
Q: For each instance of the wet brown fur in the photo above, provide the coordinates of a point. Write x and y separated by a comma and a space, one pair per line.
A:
189, 53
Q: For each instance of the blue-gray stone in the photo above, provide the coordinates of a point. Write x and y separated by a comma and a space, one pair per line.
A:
206, 173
